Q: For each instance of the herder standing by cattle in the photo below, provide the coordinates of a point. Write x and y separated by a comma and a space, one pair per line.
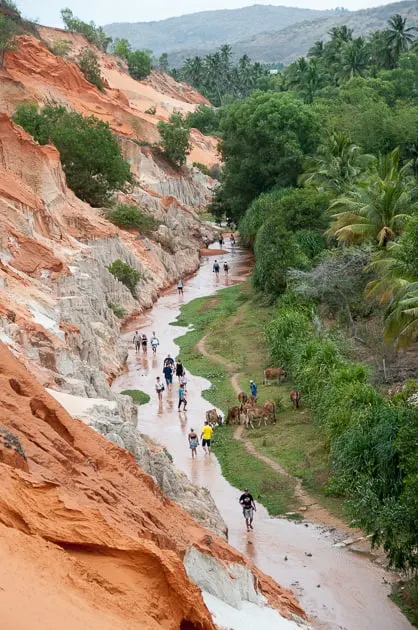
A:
253, 389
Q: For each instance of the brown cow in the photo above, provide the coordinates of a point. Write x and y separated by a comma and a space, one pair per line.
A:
242, 399
271, 374
295, 398
256, 413
233, 416
213, 417
270, 408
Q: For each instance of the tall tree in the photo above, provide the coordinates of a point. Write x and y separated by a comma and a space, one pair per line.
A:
399, 36
378, 208
354, 60
337, 165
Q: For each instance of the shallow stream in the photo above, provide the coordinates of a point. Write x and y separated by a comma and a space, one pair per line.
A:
337, 588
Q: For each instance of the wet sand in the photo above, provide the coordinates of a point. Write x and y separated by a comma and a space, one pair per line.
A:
339, 590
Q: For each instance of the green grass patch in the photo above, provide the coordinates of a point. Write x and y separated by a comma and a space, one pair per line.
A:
405, 595
139, 398
233, 323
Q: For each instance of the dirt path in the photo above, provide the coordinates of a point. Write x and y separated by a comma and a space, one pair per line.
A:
308, 505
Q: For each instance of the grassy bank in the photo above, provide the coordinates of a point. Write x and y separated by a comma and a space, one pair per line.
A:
405, 595
232, 323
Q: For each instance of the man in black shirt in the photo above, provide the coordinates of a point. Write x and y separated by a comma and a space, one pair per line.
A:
248, 508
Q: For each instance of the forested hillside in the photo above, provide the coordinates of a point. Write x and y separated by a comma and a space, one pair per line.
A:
208, 29
320, 172
267, 34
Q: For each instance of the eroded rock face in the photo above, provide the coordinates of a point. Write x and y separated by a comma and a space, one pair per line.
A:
11, 451
93, 528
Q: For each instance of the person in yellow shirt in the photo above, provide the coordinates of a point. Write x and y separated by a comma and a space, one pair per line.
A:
206, 437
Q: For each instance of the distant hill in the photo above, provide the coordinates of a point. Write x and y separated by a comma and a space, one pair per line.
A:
266, 33
209, 29
288, 44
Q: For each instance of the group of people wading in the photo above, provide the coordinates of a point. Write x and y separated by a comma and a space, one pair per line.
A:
175, 369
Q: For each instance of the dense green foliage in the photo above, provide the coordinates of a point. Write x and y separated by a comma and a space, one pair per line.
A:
126, 216
90, 67
321, 173
206, 118
221, 80
94, 34
139, 64
372, 440
139, 61
8, 32
175, 139
265, 139
125, 274
90, 155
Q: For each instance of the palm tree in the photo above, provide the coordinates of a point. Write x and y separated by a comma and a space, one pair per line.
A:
377, 208
317, 50
397, 284
354, 61
337, 164
399, 37
306, 77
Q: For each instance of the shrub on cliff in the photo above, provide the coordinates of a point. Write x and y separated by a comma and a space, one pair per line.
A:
94, 34
89, 65
175, 139
8, 32
90, 155
125, 216
125, 274
139, 64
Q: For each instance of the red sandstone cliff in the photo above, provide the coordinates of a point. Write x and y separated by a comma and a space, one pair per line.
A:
87, 539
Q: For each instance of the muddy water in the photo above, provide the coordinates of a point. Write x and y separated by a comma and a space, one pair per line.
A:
338, 589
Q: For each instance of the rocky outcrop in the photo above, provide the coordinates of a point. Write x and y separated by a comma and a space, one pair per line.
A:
96, 532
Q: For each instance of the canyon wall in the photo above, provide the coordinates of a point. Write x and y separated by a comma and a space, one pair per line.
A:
87, 518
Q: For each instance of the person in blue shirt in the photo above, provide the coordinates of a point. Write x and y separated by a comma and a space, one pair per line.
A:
253, 389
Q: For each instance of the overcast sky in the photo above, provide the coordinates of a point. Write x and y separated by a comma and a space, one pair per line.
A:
105, 11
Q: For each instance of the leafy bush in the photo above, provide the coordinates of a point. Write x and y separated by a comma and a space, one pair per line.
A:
60, 48
125, 274
175, 139
258, 212
90, 67
203, 168
139, 397
305, 208
8, 32
139, 64
276, 251
125, 216
121, 48
90, 155
117, 309
373, 442
206, 118
94, 34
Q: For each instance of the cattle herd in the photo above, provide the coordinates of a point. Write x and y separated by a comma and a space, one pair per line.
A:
248, 412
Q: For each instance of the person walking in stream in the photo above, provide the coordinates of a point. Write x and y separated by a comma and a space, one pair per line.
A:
179, 370
159, 388
248, 508
182, 399
216, 268
193, 442
137, 341
206, 437
226, 268
180, 286
183, 381
168, 375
